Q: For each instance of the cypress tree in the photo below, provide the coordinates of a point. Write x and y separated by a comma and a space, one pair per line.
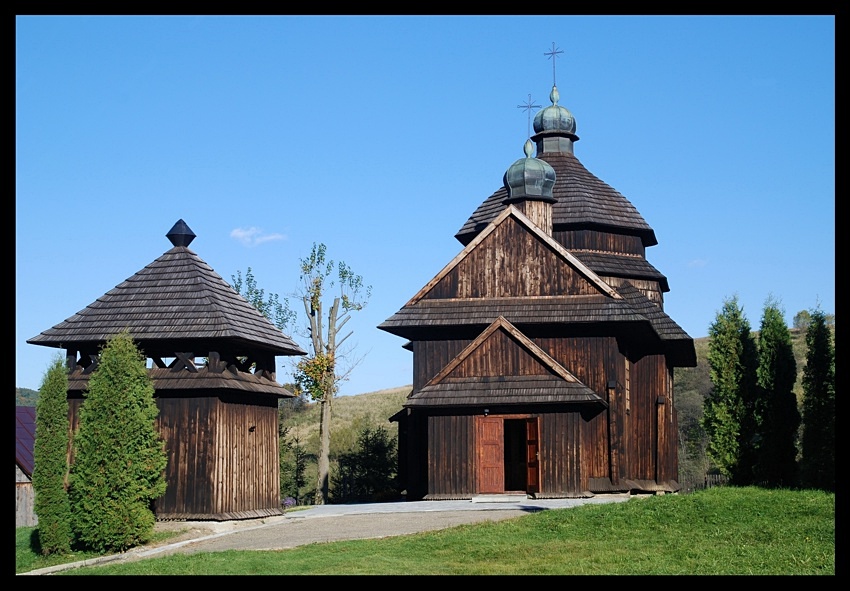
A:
729, 416
50, 470
777, 405
120, 459
818, 445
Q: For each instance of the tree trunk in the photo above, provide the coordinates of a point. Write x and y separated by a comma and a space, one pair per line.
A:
324, 451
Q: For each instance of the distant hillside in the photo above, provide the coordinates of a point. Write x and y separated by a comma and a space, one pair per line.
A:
349, 416
25, 397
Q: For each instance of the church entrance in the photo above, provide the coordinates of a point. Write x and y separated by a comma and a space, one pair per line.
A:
507, 454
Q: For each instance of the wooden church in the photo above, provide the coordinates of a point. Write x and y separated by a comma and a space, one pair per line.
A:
211, 356
542, 357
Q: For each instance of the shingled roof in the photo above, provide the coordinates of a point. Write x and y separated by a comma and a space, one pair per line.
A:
176, 298
621, 265
25, 438
583, 200
679, 345
413, 318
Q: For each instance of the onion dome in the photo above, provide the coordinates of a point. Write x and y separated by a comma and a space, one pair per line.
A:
529, 178
554, 117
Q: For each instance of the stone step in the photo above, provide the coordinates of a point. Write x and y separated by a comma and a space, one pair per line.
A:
500, 498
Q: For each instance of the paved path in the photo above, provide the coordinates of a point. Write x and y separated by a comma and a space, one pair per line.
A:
328, 523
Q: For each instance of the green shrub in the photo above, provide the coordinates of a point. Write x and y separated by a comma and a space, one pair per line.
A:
119, 462
368, 473
50, 454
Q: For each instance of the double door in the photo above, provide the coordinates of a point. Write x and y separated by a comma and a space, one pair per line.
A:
507, 454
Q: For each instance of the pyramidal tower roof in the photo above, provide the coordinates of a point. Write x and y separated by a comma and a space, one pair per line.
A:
177, 298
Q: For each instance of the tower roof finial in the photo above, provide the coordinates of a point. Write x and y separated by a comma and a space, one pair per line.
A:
553, 55
528, 106
180, 234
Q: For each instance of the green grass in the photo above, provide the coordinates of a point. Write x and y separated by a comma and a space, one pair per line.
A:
28, 556
719, 531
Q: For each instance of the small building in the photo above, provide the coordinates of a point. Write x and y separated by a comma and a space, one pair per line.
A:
542, 356
212, 358
24, 446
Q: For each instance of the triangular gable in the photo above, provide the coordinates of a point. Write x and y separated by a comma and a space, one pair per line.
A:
532, 358
502, 366
448, 281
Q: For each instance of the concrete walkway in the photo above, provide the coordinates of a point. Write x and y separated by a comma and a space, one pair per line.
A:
327, 523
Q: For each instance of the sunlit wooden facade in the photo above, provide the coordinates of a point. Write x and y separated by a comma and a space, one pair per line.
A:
211, 356
542, 357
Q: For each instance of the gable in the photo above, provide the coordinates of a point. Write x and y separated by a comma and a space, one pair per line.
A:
512, 257
503, 366
499, 351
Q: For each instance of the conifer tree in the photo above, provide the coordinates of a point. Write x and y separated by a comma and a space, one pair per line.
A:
50, 456
777, 404
729, 416
119, 462
818, 445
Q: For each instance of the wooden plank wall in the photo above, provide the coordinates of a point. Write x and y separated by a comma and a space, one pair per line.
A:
451, 456
560, 453
246, 474
498, 356
594, 361
188, 427
652, 435
511, 262
668, 436
24, 500
595, 240
218, 467
429, 357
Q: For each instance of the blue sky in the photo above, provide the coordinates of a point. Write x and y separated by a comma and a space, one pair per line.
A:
379, 136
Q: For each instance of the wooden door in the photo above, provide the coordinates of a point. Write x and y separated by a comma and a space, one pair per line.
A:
532, 446
490, 452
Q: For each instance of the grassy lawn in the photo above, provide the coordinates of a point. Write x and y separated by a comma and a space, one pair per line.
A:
719, 531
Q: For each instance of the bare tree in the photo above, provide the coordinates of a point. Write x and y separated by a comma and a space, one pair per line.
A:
320, 373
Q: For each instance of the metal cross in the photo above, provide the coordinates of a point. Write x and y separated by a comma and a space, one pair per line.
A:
553, 54
528, 106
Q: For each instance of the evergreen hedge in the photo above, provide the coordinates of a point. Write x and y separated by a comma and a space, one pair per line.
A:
120, 459
50, 456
